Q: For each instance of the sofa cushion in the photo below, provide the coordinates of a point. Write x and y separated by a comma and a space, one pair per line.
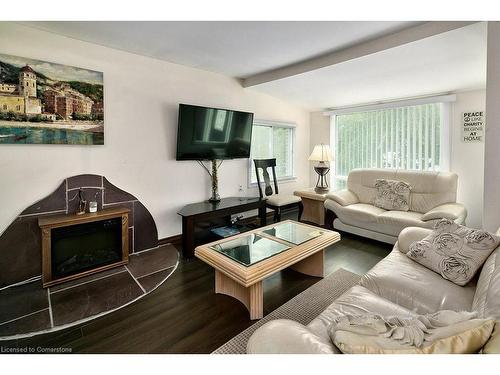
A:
378, 226
396, 221
487, 298
392, 195
283, 336
357, 300
362, 183
355, 214
454, 251
413, 286
429, 189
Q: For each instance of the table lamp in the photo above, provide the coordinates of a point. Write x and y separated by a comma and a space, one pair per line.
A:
322, 154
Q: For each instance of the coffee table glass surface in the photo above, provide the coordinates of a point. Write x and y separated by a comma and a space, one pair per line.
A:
294, 233
251, 249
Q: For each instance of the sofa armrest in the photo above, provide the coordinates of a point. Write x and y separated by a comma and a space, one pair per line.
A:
409, 235
452, 211
284, 336
343, 197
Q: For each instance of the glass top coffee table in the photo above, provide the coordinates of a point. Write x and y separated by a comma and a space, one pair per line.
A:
241, 262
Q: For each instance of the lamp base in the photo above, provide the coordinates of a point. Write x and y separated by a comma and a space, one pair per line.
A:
321, 190
322, 183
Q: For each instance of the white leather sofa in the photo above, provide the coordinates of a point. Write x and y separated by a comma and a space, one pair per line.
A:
395, 286
432, 197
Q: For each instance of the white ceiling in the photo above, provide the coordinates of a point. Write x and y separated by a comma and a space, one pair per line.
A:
451, 61
236, 49
448, 62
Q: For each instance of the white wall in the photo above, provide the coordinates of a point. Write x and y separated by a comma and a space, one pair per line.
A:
467, 159
491, 215
141, 100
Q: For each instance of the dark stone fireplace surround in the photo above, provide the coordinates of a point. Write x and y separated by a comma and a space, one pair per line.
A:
20, 247
28, 309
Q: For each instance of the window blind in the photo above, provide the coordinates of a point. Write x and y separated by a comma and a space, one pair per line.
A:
404, 137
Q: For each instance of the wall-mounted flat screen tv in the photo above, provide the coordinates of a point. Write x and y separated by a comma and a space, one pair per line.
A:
212, 133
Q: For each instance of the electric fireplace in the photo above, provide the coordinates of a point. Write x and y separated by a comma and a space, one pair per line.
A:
74, 246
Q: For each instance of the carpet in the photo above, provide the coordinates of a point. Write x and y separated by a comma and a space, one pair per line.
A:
302, 308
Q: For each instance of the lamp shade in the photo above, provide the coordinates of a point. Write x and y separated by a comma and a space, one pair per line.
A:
321, 153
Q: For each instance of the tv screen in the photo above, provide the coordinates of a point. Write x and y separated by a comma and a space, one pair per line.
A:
212, 133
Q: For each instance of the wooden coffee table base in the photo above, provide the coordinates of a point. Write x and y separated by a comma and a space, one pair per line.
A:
253, 296
313, 265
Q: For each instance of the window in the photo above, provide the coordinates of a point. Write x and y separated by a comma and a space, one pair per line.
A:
403, 137
273, 140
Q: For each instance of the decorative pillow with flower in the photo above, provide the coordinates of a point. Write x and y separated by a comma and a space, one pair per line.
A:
392, 195
454, 251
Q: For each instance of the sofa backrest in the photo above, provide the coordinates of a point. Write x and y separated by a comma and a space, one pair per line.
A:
487, 297
429, 189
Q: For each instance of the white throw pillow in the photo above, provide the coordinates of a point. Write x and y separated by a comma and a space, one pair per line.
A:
454, 251
444, 332
392, 195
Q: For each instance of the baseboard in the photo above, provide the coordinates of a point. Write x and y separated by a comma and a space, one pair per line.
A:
175, 240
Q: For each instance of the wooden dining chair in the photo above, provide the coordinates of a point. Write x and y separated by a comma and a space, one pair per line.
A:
274, 200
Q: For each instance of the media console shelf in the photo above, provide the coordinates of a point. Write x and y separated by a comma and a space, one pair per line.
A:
74, 246
196, 213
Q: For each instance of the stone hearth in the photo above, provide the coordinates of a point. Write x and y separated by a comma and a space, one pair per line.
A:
29, 309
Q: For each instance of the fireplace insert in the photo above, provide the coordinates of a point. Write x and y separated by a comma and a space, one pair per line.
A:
82, 247
74, 246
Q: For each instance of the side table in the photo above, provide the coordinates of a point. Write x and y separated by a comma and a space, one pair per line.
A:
314, 209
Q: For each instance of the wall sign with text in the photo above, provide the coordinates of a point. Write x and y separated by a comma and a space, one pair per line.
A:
473, 126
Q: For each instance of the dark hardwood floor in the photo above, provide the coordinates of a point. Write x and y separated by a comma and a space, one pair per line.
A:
184, 315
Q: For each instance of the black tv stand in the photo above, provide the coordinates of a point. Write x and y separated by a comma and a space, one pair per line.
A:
213, 214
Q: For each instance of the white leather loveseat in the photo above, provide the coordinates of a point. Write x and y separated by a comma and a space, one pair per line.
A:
395, 286
432, 197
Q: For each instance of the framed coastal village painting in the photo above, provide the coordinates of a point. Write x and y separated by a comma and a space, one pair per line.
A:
47, 103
